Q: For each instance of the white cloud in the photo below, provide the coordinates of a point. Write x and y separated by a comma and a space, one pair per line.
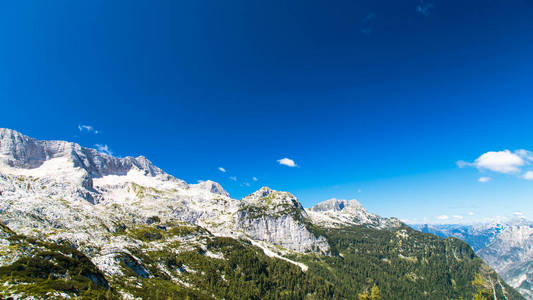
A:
471, 213
458, 217
518, 213
499, 161
287, 162
528, 175
254, 178
484, 179
233, 178
87, 128
104, 149
246, 184
222, 169
443, 217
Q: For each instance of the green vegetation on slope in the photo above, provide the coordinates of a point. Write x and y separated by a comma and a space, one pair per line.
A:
47, 270
404, 264
187, 262
234, 270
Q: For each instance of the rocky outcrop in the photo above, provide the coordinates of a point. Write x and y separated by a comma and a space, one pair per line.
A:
336, 213
278, 218
20, 151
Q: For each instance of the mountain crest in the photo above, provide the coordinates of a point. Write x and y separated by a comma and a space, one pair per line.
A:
338, 205
337, 212
45, 157
267, 197
212, 187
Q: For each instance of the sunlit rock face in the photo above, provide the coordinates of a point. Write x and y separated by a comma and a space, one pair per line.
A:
279, 218
336, 212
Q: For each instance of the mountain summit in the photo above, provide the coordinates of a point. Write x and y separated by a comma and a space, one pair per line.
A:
335, 212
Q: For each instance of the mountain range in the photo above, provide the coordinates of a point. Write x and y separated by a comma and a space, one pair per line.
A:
80, 223
507, 246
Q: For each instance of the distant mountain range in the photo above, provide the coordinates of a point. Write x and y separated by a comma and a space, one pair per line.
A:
505, 246
75, 222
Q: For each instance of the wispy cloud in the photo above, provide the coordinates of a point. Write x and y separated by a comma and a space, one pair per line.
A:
104, 149
87, 128
254, 178
471, 213
443, 217
528, 175
234, 178
458, 217
222, 169
484, 179
424, 8
246, 184
366, 23
287, 162
525, 154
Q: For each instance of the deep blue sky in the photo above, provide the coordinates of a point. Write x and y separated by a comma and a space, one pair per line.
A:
374, 100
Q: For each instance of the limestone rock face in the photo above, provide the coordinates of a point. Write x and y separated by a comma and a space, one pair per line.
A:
19, 151
279, 218
336, 212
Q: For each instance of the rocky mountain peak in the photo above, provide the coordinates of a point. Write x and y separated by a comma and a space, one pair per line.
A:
18, 150
279, 218
267, 197
338, 212
338, 205
46, 157
211, 187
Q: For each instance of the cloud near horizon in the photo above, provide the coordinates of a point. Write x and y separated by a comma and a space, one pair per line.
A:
222, 169
287, 162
